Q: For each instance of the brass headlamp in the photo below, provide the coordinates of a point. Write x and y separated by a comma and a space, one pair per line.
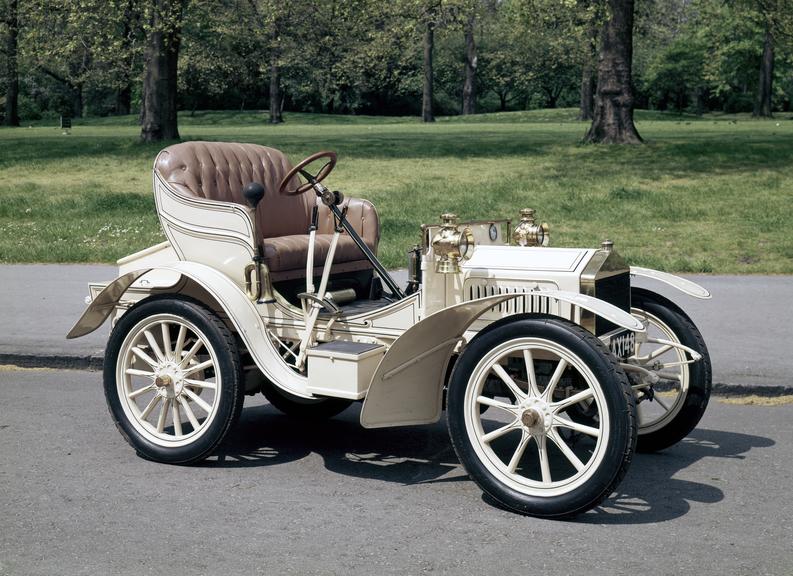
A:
451, 244
528, 232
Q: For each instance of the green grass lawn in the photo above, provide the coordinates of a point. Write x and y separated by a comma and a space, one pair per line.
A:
712, 194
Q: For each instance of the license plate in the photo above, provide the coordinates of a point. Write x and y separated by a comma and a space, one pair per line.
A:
623, 344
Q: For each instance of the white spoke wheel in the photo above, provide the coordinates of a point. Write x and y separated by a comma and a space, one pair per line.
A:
671, 409
172, 379
530, 450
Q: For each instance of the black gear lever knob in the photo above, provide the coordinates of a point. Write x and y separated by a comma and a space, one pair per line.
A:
253, 192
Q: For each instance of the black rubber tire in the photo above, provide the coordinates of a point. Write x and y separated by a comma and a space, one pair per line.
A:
303, 408
700, 375
232, 391
619, 401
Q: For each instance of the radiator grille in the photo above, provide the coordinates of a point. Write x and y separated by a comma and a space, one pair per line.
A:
527, 303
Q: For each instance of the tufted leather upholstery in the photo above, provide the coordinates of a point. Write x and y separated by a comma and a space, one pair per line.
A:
220, 170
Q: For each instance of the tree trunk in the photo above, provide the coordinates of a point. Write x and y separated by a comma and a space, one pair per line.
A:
124, 100
587, 104
275, 81
159, 119
762, 106
613, 114
469, 87
502, 98
12, 72
426, 101
78, 103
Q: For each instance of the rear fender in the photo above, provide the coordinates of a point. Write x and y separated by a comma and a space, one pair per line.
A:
235, 303
407, 387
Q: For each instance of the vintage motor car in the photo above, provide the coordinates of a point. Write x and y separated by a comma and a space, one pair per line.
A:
552, 368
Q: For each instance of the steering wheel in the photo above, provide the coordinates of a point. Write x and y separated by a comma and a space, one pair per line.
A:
312, 178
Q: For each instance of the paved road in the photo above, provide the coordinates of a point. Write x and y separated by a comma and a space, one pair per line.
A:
332, 498
747, 325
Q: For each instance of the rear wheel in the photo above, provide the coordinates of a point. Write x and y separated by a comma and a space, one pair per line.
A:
172, 380
672, 408
531, 451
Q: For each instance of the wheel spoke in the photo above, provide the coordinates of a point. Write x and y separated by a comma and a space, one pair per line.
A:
145, 357
515, 460
203, 365
496, 404
588, 430
565, 449
146, 411
192, 352
667, 376
574, 399
557, 376
154, 346
139, 391
177, 351
163, 415
498, 432
166, 340
545, 468
663, 404
189, 412
201, 384
530, 375
136, 372
195, 398
177, 419
507, 379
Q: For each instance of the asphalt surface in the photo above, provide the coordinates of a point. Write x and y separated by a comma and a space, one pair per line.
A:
285, 497
747, 324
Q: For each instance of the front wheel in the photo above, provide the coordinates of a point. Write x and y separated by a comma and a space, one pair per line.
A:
672, 408
172, 380
531, 450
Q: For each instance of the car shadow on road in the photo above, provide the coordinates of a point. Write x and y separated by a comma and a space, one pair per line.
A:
649, 493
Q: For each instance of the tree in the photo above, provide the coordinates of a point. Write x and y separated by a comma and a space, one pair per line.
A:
11, 21
613, 117
163, 20
471, 61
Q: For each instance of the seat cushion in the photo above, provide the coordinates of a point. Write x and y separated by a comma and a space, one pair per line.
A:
289, 253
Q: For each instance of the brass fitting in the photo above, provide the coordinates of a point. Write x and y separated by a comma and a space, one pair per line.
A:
528, 232
451, 244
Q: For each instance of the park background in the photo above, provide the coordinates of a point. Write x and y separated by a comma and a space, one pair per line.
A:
480, 107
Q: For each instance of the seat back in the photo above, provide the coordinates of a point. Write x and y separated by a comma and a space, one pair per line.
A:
220, 170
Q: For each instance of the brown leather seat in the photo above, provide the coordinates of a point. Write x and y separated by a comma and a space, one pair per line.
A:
220, 170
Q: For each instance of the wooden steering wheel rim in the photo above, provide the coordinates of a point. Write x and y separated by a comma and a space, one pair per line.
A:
320, 176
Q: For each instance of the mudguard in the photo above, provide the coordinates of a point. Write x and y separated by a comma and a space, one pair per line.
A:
407, 387
685, 286
235, 303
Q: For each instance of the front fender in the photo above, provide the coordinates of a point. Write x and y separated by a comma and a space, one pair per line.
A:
685, 286
235, 303
407, 387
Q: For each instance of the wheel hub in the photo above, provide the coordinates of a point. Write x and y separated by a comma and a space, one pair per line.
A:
536, 416
169, 381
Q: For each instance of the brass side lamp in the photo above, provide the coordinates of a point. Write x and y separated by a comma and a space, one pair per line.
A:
451, 245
